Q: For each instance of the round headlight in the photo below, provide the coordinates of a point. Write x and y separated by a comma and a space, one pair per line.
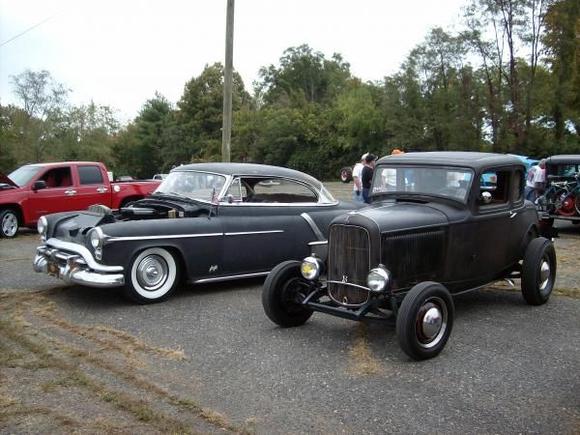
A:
42, 227
96, 238
310, 268
378, 279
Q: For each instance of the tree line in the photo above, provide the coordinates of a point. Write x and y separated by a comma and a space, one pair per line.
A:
508, 81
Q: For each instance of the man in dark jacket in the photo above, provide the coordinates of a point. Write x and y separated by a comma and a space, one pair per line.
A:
367, 176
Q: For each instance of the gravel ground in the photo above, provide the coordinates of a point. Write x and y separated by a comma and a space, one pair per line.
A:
75, 359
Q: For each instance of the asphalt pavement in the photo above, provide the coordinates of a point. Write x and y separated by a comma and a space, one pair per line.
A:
507, 368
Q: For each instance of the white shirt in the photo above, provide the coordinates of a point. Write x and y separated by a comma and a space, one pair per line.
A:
539, 175
356, 174
531, 175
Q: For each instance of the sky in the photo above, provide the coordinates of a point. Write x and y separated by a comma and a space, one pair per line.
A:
119, 53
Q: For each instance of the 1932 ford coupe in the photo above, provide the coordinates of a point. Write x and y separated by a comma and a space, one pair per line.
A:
434, 229
206, 222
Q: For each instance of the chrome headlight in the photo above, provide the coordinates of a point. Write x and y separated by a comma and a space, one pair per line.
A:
378, 279
96, 237
42, 227
311, 268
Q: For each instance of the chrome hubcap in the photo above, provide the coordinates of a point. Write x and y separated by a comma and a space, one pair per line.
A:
544, 274
431, 322
9, 224
152, 272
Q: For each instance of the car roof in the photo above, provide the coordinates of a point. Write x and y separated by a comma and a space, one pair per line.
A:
249, 169
563, 159
467, 159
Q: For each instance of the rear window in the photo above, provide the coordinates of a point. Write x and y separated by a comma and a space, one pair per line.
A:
90, 175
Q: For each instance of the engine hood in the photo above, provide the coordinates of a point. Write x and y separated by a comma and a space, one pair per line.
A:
396, 216
5, 180
74, 227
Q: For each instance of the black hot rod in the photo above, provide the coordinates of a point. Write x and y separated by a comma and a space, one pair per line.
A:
434, 229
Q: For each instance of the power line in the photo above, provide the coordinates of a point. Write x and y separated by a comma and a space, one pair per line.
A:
25, 31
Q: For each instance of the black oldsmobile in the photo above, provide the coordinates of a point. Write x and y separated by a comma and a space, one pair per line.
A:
434, 229
206, 222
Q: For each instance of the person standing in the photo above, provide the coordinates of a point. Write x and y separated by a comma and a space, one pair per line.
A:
540, 179
367, 176
529, 190
356, 177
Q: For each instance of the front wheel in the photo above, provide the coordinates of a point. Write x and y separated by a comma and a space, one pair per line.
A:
425, 320
282, 293
152, 276
8, 223
538, 271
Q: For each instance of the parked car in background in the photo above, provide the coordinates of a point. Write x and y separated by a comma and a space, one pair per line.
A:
42, 188
433, 230
159, 176
561, 198
206, 222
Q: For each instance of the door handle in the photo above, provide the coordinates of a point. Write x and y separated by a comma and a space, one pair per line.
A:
513, 214
70, 192
101, 189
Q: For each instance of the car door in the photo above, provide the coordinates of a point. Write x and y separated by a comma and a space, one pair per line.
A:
91, 187
495, 226
56, 196
263, 223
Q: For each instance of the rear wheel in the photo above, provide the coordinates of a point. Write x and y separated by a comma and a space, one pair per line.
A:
346, 174
282, 293
425, 320
8, 223
538, 271
152, 276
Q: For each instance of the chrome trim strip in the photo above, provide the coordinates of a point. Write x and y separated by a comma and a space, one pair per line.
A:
247, 233
230, 277
349, 284
317, 243
313, 226
83, 252
111, 239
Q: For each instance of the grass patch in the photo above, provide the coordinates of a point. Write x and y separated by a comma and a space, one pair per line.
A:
362, 361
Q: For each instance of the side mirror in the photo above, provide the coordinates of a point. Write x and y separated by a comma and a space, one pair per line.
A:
485, 197
39, 184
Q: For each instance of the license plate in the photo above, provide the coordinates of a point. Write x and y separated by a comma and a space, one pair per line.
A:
53, 268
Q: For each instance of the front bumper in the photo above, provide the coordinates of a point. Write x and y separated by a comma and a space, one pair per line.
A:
74, 263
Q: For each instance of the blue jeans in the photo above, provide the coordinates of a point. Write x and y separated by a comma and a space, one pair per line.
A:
357, 196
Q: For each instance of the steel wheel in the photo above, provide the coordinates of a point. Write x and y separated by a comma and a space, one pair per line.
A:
153, 275
425, 320
8, 223
538, 271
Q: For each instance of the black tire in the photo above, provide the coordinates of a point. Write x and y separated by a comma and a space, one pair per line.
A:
141, 282
279, 292
538, 271
9, 223
417, 339
346, 174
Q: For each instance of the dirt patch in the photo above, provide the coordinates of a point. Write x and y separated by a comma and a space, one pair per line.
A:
58, 376
361, 359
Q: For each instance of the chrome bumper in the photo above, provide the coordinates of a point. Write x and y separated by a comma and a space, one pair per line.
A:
73, 263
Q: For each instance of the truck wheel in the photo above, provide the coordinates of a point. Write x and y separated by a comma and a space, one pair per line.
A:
152, 276
425, 320
280, 295
538, 271
346, 174
8, 223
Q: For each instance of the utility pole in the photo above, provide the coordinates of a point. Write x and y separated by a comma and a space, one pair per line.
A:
228, 78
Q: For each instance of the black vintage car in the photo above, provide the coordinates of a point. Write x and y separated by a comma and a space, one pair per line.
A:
434, 229
206, 222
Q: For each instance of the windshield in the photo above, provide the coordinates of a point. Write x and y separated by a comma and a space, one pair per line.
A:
24, 174
193, 185
452, 183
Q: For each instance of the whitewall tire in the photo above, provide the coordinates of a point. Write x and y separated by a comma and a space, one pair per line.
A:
152, 276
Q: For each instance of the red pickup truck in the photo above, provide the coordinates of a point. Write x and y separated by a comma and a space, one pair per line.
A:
38, 189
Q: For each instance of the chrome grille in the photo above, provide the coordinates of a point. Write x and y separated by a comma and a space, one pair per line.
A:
348, 263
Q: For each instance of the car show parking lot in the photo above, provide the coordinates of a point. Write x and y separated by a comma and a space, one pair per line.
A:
208, 360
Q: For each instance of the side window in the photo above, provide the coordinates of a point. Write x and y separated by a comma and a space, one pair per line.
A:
494, 189
238, 191
57, 177
90, 175
274, 190
518, 186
